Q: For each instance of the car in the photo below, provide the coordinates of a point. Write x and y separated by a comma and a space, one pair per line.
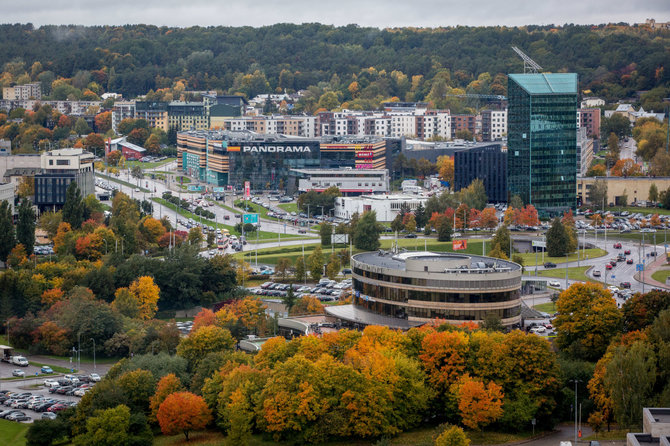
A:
627, 252
549, 265
617, 246
555, 283
46, 369
538, 329
596, 273
18, 416
456, 234
18, 372
629, 261
137, 189
608, 266
624, 285
548, 326
49, 416
94, 377
50, 382
411, 235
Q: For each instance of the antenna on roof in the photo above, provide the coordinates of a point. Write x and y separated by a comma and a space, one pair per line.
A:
529, 65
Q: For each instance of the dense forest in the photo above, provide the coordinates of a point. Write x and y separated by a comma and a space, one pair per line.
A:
356, 63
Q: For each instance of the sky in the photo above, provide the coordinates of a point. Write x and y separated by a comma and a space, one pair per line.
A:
376, 13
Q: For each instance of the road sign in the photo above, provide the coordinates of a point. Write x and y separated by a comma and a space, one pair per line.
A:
539, 244
639, 267
219, 189
247, 190
194, 188
339, 238
613, 276
250, 218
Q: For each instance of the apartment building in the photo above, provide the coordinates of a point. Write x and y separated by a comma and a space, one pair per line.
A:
60, 168
494, 125
26, 91
589, 118
463, 122
121, 111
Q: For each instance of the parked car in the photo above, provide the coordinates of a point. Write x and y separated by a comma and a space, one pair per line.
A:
46, 369
554, 283
94, 377
18, 372
549, 265
629, 261
596, 273
50, 382
49, 416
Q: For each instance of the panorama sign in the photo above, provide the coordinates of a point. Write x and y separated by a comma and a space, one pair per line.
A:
276, 149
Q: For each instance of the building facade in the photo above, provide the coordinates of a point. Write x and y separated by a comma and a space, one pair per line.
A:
463, 122
349, 181
635, 189
60, 168
542, 140
494, 125
402, 290
589, 118
22, 92
8, 193
487, 163
386, 207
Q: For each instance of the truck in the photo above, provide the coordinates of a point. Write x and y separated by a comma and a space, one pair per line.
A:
19, 360
6, 352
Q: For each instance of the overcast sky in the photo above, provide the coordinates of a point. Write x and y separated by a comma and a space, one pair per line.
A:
378, 13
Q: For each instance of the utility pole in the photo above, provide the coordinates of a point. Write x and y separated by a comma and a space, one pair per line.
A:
575, 407
94, 367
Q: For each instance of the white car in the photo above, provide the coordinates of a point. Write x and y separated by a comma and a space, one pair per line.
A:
18, 372
94, 377
613, 288
555, 283
51, 383
538, 329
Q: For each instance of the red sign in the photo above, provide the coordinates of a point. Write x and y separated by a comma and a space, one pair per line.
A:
457, 245
365, 154
247, 190
364, 166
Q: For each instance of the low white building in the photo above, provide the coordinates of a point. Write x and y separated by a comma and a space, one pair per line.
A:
7, 193
592, 102
386, 206
348, 180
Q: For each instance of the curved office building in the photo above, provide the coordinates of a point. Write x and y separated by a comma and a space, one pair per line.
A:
409, 289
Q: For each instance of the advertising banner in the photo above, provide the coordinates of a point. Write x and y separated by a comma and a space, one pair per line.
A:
459, 244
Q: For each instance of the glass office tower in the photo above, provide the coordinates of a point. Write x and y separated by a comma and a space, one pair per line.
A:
542, 140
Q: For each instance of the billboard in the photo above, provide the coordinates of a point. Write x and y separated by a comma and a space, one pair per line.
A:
365, 154
339, 238
247, 190
250, 218
458, 245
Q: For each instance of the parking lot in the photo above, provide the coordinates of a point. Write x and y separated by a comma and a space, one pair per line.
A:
326, 290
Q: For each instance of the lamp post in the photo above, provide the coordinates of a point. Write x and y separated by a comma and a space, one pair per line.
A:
94, 367
78, 351
575, 381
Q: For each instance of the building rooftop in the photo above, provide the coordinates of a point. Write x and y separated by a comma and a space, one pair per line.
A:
341, 170
386, 259
547, 83
358, 315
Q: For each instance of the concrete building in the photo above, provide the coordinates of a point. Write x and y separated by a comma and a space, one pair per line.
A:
121, 111
589, 118
590, 102
655, 428
5, 147
494, 125
542, 140
77, 108
26, 91
636, 189
349, 181
8, 194
60, 168
22, 161
183, 116
154, 112
585, 152
404, 290
487, 163
386, 207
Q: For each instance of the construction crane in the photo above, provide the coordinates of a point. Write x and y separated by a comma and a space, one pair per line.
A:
488, 97
529, 65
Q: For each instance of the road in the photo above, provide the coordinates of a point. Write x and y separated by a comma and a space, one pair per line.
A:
628, 148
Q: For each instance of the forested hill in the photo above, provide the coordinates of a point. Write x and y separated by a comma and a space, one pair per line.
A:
612, 60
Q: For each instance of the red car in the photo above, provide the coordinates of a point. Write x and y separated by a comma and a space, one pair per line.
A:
627, 252
629, 261
617, 245
608, 266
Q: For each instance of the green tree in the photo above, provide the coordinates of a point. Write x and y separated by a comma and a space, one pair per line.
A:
73, 209
107, 428
139, 385
474, 196
497, 252
333, 267
25, 228
557, 239
588, 319
516, 202
410, 225
7, 238
82, 128
502, 238
366, 237
653, 193
452, 436
300, 268
420, 216
598, 193
325, 230
315, 263
443, 229
396, 224
46, 432
617, 124
289, 299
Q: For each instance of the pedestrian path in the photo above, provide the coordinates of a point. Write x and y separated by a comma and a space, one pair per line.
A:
651, 269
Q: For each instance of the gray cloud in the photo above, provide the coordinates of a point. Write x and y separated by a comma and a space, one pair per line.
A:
378, 13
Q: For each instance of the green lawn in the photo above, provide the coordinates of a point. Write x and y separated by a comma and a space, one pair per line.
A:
13, 434
661, 275
574, 273
181, 179
661, 236
529, 258
633, 210
148, 165
547, 307
289, 207
612, 435
263, 235
253, 208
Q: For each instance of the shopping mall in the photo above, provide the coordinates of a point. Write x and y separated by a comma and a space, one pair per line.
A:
229, 158
403, 290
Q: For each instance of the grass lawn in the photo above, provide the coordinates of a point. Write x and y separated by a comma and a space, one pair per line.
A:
574, 273
420, 436
13, 434
148, 165
635, 210
661, 275
182, 179
613, 435
661, 236
263, 235
547, 307
271, 255
228, 208
289, 207
529, 258
55, 368
253, 208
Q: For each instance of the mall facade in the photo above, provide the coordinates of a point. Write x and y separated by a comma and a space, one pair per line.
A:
229, 158
402, 290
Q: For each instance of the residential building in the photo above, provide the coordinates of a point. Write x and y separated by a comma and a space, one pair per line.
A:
219, 107
494, 125
629, 112
184, 116
8, 194
653, 24
542, 140
588, 102
59, 168
387, 207
585, 152
402, 290
589, 118
349, 181
77, 108
122, 110
463, 122
486, 163
154, 112
26, 91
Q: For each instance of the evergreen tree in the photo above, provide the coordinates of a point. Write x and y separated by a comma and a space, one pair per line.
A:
300, 264
557, 239
315, 263
73, 209
443, 229
289, 299
420, 216
7, 238
325, 230
366, 237
502, 238
25, 228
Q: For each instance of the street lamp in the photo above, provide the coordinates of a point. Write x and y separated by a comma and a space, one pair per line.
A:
575, 381
94, 368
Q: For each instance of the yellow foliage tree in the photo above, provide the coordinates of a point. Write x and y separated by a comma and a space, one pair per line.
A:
147, 294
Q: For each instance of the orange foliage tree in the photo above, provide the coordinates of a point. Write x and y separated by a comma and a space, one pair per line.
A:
488, 218
626, 168
183, 412
203, 318
443, 357
167, 385
479, 404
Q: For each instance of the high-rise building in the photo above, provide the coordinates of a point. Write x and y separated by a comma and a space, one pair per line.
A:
542, 140
59, 168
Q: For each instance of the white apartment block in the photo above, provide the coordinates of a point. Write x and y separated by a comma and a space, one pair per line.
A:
403, 125
121, 111
493, 124
22, 92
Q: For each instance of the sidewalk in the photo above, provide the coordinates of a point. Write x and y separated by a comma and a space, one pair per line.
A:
649, 270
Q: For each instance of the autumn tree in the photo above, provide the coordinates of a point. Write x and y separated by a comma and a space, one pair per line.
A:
445, 166
497, 252
205, 340
315, 262
333, 266
125, 303
443, 355
308, 305
588, 319
103, 121
626, 168
452, 436
488, 218
479, 404
282, 267
183, 412
146, 292
167, 385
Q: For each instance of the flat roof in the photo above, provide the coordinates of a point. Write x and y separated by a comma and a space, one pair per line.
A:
389, 260
351, 171
547, 83
351, 313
